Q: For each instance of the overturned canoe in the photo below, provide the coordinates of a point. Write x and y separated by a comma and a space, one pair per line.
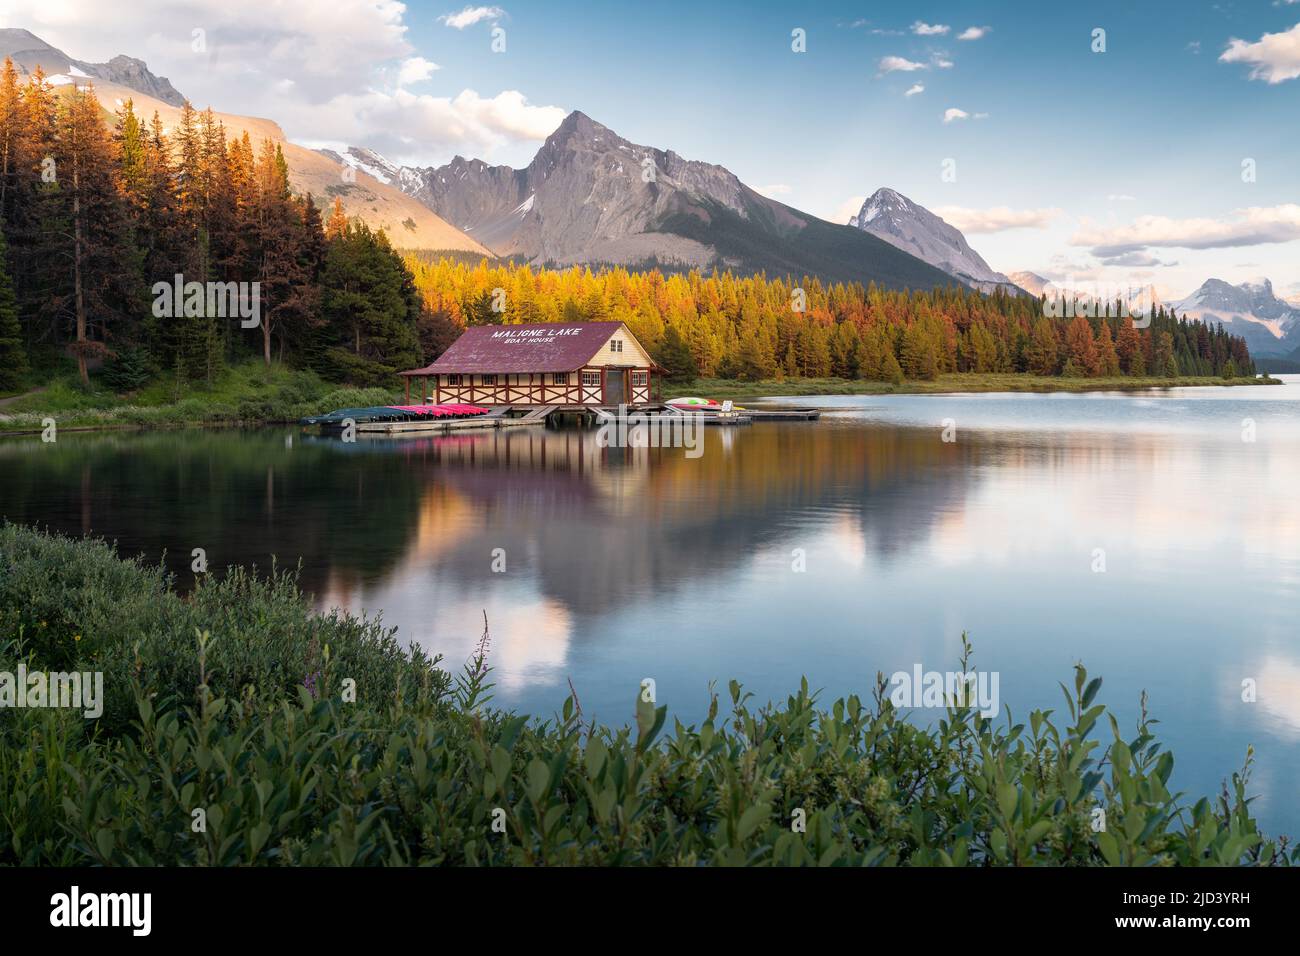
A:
394, 413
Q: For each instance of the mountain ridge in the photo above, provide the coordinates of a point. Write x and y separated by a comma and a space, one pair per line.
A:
1269, 324
589, 196
909, 226
28, 51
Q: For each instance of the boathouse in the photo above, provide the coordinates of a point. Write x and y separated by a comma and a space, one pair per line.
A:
575, 364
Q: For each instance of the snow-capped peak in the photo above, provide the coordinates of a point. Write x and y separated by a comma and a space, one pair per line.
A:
889, 215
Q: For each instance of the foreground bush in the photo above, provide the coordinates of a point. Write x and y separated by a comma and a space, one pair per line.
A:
245, 747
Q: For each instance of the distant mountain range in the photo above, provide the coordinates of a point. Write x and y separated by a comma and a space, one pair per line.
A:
914, 229
29, 51
409, 223
591, 196
1270, 325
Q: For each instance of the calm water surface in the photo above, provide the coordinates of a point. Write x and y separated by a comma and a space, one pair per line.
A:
623, 564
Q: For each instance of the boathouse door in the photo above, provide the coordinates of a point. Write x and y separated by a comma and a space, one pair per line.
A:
615, 386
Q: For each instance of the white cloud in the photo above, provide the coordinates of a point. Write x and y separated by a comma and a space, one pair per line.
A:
415, 69
404, 125
334, 78
1274, 57
470, 16
974, 33
774, 190
1121, 197
930, 29
1141, 260
952, 113
847, 210
892, 64
1253, 226
943, 63
914, 89
996, 218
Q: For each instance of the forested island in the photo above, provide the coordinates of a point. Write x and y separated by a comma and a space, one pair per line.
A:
101, 213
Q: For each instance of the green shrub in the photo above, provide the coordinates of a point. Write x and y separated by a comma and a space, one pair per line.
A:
242, 723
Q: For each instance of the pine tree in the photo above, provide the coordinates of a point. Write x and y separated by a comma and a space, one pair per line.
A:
1107, 357
13, 357
1128, 347
1081, 348
676, 358
105, 282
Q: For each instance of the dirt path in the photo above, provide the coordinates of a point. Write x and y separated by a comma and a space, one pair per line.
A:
5, 402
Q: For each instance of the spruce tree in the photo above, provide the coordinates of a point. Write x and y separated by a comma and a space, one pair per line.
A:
13, 357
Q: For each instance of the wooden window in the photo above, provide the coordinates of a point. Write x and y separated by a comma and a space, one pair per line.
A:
453, 379
559, 378
616, 345
639, 378
591, 379
489, 380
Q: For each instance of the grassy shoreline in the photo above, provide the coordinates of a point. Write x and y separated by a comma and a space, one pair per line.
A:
251, 394
317, 740
949, 384
246, 394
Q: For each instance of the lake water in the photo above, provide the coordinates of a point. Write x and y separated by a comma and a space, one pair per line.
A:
624, 564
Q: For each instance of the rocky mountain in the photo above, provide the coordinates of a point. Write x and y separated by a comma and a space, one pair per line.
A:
911, 227
29, 51
591, 196
409, 223
1031, 282
1270, 325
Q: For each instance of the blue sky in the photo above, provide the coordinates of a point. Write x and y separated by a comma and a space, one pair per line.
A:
1119, 166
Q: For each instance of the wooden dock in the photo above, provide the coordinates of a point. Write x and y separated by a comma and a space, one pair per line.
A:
522, 416
497, 417
784, 414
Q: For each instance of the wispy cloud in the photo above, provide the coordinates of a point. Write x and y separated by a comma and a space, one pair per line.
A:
471, 15
1273, 58
974, 33
914, 89
922, 29
996, 218
847, 209
1252, 226
894, 64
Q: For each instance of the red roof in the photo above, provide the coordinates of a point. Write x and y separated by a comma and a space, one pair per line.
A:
506, 349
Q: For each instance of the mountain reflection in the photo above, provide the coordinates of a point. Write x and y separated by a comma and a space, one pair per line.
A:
599, 526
